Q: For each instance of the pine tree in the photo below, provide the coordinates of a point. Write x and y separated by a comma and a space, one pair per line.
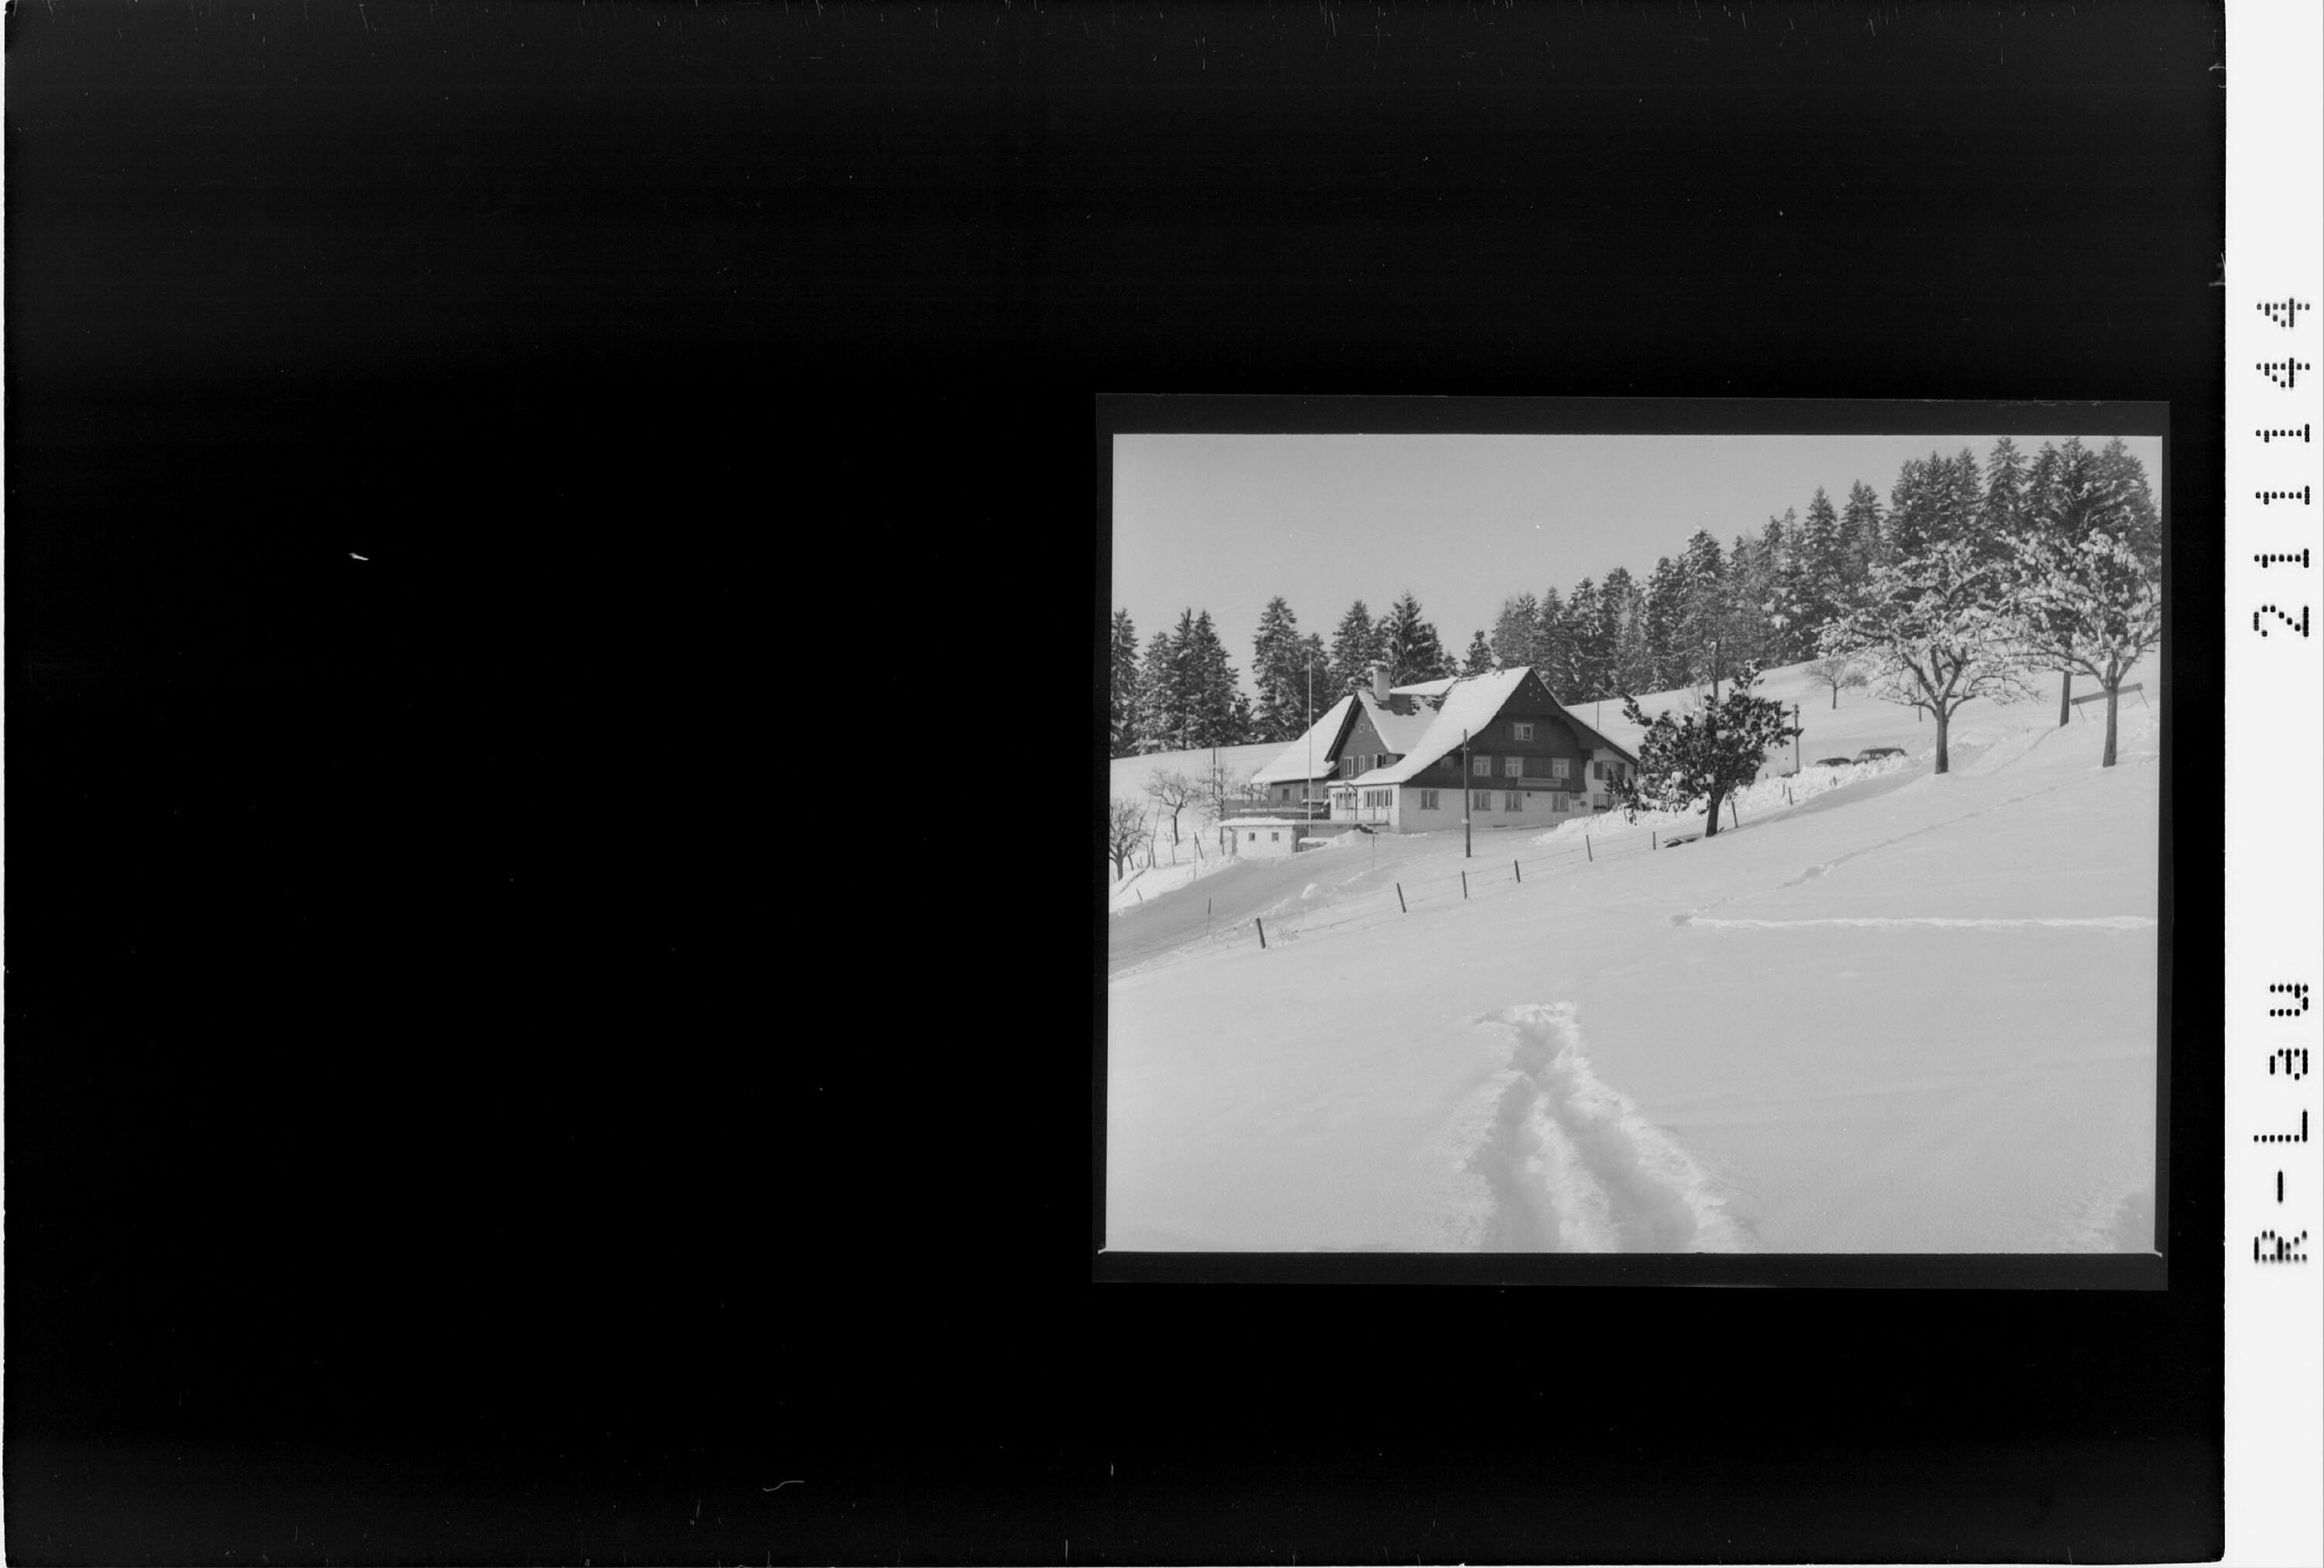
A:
1516, 632
1159, 705
1703, 638
2004, 511
1480, 659
1122, 734
1621, 634
1665, 614
1863, 534
1585, 670
1913, 508
1218, 712
1278, 668
1821, 580
1355, 645
2130, 509
1552, 650
1408, 644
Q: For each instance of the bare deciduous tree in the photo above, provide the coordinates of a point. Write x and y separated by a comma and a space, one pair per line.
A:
1125, 833
1173, 791
1839, 671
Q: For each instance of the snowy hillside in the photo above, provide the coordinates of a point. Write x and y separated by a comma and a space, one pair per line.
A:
1893, 1012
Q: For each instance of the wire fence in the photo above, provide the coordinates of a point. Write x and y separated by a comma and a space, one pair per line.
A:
1399, 898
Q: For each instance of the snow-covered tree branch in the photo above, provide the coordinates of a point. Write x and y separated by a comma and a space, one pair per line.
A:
2092, 606
1935, 632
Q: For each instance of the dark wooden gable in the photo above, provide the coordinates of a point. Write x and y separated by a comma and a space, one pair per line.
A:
1361, 738
1528, 702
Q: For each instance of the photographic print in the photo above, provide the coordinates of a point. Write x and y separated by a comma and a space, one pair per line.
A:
1668, 842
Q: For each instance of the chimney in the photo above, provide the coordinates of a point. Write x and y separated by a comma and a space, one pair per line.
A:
1379, 683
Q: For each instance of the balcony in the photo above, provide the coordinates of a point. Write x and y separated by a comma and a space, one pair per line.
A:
1297, 811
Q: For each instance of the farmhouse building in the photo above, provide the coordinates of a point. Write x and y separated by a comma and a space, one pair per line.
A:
1405, 758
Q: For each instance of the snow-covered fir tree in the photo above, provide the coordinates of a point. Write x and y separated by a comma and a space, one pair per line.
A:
1480, 658
1517, 630
1355, 644
1159, 705
1552, 648
1665, 614
1408, 644
1862, 533
1218, 712
1121, 728
1585, 671
1279, 667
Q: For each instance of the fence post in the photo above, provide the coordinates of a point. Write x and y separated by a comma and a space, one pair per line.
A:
1586, 850
1400, 904
1464, 884
1262, 932
1734, 817
1519, 869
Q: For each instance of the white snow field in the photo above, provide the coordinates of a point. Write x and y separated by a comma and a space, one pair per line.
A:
1901, 1014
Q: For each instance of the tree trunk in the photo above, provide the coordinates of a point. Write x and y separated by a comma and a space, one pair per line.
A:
1835, 699
1944, 723
2112, 691
1710, 828
2065, 697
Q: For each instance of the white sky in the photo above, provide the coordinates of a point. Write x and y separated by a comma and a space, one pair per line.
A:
1224, 523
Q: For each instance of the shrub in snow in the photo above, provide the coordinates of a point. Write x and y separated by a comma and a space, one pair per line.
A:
1706, 755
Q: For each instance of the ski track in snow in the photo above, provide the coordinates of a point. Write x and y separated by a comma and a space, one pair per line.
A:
1573, 1166
1697, 917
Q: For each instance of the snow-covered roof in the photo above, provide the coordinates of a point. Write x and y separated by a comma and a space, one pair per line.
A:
1592, 738
1397, 732
1425, 688
1293, 762
1470, 703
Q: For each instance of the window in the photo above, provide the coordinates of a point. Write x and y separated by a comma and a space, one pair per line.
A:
1482, 799
1516, 803
1254, 838
1596, 770
1560, 768
1482, 767
1513, 767
1275, 838
1521, 730
1428, 800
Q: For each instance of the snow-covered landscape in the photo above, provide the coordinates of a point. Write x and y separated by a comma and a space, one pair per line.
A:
1883, 1011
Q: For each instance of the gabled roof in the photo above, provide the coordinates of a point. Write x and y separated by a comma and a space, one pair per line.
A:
1469, 704
1398, 732
1291, 762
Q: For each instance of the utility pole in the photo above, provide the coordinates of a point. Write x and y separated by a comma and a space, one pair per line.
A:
1796, 727
1307, 785
1468, 840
